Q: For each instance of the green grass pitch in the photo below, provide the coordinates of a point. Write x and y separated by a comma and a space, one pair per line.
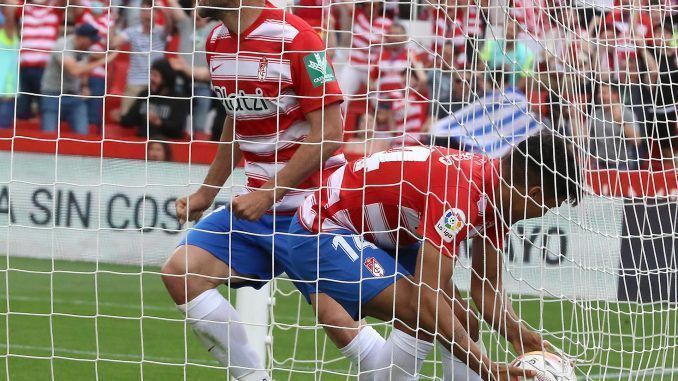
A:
79, 321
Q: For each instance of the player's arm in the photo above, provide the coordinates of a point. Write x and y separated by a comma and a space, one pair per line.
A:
228, 154
466, 316
433, 271
323, 140
487, 292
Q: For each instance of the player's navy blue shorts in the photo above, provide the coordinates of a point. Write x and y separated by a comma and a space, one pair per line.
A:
343, 265
246, 246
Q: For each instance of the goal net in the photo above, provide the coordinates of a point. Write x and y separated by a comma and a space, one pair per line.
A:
98, 141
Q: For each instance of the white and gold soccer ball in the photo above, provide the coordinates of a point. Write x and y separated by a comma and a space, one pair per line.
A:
549, 367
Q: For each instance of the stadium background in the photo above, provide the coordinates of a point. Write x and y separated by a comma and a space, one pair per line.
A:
85, 219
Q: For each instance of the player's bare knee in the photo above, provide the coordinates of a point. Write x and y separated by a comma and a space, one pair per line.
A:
174, 276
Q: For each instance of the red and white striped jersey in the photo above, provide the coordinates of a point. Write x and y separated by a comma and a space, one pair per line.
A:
626, 29
410, 116
40, 30
103, 23
314, 12
447, 29
269, 77
408, 107
391, 73
396, 197
368, 37
455, 27
532, 15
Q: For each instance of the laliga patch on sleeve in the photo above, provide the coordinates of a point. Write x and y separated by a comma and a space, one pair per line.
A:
450, 224
318, 69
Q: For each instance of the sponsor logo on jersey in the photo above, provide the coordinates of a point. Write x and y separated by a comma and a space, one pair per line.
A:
318, 68
374, 266
243, 102
451, 223
263, 69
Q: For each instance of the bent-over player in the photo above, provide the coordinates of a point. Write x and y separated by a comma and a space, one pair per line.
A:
382, 236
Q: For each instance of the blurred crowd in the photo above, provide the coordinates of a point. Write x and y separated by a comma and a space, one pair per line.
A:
473, 74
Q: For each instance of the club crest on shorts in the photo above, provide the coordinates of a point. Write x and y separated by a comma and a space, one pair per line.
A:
451, 223
374, 266
263, 68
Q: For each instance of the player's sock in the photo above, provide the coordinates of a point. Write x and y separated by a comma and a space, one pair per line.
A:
364, 351
402, 357
455, 369
217, 325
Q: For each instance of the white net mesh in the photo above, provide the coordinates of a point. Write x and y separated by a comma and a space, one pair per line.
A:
107, 117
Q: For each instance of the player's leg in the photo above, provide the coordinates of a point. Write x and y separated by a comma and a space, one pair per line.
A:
405, 348
213, 254
350, 271
455, 369
359, 343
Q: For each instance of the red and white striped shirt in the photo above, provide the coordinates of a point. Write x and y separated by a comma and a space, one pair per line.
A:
40, 30
398, 196
314, 12
532, 15
626, 29
447, 30
368, 37
450, 26
269, 77
390, 74
408, 108
103, 23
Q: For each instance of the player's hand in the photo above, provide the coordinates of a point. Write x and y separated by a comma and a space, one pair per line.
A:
529, 341
253, 205
197, 202
505, 372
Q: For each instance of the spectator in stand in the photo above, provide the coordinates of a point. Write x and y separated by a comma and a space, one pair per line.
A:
62, 94
99, 15
533, 18
510, 55
634, 89
192, 37
41, 22
398, 57
615, 139
317, 14
662, 65
158, 150
158, 110
370, 26
450, 19
147, 45
449, 86
623, 32
401, 94
9, 61
566, 44
568, 106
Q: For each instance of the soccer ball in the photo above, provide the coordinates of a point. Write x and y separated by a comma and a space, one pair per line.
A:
549, 367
